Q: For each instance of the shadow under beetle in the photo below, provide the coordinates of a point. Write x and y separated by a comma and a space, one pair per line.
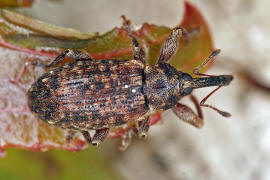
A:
98, 95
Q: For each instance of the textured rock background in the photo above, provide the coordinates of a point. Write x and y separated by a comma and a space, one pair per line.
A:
234, 148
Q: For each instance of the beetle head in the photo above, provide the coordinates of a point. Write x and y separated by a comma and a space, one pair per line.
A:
165, 86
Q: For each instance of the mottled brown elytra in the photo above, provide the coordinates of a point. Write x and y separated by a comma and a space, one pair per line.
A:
98, 95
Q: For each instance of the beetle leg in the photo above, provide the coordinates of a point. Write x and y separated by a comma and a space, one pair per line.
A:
170, 46
87, 136
74, 54
186, 114
195, 101
143, 127
70, 135
137, 50
206, 61
99, 136
126, 140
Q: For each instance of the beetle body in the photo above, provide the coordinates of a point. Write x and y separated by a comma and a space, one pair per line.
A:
90, 94
98, 95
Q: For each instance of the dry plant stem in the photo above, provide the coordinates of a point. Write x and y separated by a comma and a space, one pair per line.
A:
44, 28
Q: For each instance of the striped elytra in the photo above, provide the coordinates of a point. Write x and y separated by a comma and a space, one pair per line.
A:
90, 94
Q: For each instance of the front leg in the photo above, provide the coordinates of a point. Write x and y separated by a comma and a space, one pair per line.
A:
99, 136
186, 114
170, 46
137, 50
143, 127
70, 135
126, 139
74, 54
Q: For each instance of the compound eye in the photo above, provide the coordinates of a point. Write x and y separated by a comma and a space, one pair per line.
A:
186, 77
187, 91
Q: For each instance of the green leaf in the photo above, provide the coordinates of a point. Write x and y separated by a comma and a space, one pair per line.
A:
24, 40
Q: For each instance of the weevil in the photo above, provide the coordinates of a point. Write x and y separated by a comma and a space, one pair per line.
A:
98, 95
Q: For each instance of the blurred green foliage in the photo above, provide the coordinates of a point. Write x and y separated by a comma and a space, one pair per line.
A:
56, 164
15, 3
